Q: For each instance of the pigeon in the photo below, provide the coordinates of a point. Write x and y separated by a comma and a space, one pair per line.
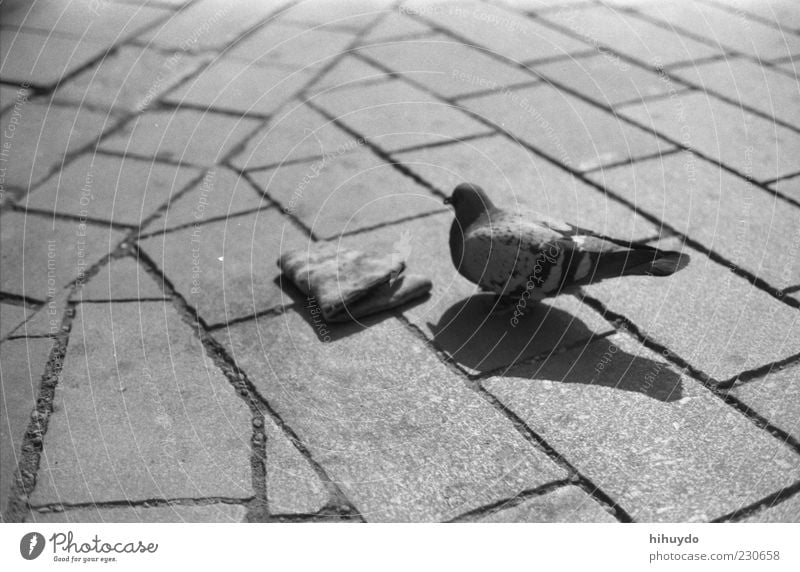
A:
529, 255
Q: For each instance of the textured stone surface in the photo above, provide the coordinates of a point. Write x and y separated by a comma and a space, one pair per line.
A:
170, 513
196, 137
395, 115
227, 269
345, 192
112, 189
782, 13
22, 363
446, 66
789, 187
296, 134
565, 127
393, 26
787, 511
142, 413
752, 145
130, 79
10, 94
49, 253
37, 136
641, 432
395, 428
642, 40
348, 73
708, 316
11, 316
776, 396
566, 504
120, 279
352, 14
240, 87
741, 222
48, 319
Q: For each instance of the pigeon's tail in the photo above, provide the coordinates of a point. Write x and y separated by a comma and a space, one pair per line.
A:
646, 261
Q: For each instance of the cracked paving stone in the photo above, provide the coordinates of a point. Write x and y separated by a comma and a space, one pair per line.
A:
566, 504
345, 192
50, 252
141, 412
642, 432
11, 316
786, 511
400, 433
185, 135
566, 128
120, 279
775, 396
48, 319
22, 363
218, 512
227, 269
109, 188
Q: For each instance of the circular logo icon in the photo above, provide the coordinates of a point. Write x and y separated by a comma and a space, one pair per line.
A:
31, 545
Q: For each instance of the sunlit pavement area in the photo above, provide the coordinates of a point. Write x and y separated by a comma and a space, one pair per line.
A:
157, 158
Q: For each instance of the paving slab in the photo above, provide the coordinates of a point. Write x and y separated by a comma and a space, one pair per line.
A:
446, 66
129, 80
786, 511
11, 316
605, 79
217, 512
775, 396
282, 45
565, 127
240, 87
790, 66
22, 363
392, 425
745, 224
352, 14
48, 252
221, 193
657, 442
566, 504
345, 193
142, 415
37, 136
185, 135
515, 178
725, 29
503, 32
348, 73
48, 319
789, 187
120, 279
110, 188
642, 40
782, 14
296, 134
10, 94
395, 115
40, 59
711, 318
227, 269
395, 25
750, 144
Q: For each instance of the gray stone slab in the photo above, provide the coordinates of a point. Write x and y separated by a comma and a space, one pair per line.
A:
399, 432
110, 188
395, 25
776, 396
504, 32
130, 79
566, 128
603, 26
395, 115
48, 319
347, 73
37, 136
154, 514
140, 412
196, 137
786, 511
724, 212
658, 443
352, 14
707, 315
227, 269
11, 316
566, 504
296, 134
120, 279
240, 87
10, 94
345, 192
789, 187
49, 253
446, 66
752, 145
22, 363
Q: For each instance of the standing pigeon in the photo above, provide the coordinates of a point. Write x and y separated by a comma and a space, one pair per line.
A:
532, 256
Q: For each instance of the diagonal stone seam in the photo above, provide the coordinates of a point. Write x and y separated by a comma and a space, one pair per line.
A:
765, 503
497, 506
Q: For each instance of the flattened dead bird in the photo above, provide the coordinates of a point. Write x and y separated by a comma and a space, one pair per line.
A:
531, 256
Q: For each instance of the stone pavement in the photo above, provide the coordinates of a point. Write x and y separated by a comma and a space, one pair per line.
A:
156, 158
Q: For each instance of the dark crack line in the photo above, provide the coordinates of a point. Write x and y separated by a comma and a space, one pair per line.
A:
506, 503
759, 506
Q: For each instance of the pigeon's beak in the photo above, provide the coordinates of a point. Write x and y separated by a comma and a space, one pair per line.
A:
447, 200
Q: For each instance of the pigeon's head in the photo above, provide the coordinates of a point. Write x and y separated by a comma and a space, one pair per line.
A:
469, 201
